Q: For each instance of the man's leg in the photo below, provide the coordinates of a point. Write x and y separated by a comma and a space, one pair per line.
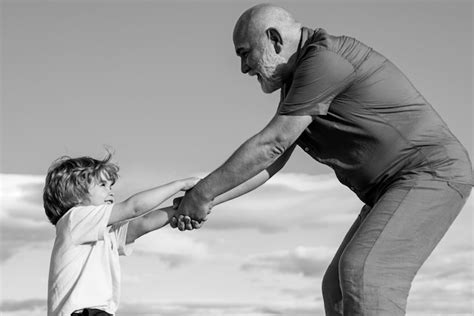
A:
397, 236
331, 289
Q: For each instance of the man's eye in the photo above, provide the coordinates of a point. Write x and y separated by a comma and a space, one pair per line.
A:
243, 54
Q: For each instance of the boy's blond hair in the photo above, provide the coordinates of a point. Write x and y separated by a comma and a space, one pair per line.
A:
68, 180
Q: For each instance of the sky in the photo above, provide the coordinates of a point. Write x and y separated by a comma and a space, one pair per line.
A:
159, 83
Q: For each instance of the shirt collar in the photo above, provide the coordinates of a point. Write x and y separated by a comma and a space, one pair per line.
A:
306, 33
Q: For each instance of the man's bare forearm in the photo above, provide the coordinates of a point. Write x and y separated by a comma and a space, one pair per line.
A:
250, 159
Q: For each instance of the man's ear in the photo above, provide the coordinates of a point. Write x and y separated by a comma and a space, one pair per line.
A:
275, 37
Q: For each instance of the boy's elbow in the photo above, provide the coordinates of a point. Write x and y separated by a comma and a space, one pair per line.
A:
131, 207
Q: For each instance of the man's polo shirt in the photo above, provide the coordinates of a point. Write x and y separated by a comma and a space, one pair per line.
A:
370, 124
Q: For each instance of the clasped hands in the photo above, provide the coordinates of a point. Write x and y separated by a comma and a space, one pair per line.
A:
191, 211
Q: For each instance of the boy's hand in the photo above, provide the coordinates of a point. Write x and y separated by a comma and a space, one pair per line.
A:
185, 223
189, 183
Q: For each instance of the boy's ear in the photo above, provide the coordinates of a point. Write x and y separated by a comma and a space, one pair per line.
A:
275, 37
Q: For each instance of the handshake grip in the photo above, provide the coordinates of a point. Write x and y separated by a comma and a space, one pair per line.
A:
177, 202
182, 221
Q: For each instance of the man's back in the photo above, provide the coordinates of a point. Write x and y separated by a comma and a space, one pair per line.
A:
377, 126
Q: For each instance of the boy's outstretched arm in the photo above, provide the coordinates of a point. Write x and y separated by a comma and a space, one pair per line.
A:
151, 221
143, 202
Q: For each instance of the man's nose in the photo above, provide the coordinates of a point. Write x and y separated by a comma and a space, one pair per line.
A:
244, 67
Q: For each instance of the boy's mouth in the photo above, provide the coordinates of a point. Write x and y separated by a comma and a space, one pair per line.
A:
109, 200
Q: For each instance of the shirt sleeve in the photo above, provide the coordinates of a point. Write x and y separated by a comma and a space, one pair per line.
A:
89, 223
120, 230
319, 77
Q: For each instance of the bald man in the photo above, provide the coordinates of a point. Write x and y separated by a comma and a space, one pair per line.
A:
350, 108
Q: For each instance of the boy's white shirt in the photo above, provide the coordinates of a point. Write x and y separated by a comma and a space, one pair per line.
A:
85, 270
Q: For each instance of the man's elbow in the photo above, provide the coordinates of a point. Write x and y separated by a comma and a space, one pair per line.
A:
272, 146
278, 164
273, 151
277, 148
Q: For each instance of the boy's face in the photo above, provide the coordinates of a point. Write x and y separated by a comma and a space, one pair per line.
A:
100, 192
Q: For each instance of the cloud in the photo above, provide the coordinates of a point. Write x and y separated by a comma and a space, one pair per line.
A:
305, 182
307, 293
285, 201
24, 225
309, 262
172, 247
447, 280
31, 305
21, 197
23, 222
289, 200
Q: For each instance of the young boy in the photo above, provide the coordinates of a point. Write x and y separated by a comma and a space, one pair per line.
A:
92, 231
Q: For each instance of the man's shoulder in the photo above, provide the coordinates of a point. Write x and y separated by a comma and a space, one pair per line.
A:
321, 39
321, 44
314, 42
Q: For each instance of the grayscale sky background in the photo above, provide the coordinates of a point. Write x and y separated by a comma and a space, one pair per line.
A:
159, 82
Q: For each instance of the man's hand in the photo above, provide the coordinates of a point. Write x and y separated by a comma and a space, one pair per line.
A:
183, 222
191, 212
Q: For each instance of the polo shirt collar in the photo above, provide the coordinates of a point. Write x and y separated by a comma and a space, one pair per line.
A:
306, 33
